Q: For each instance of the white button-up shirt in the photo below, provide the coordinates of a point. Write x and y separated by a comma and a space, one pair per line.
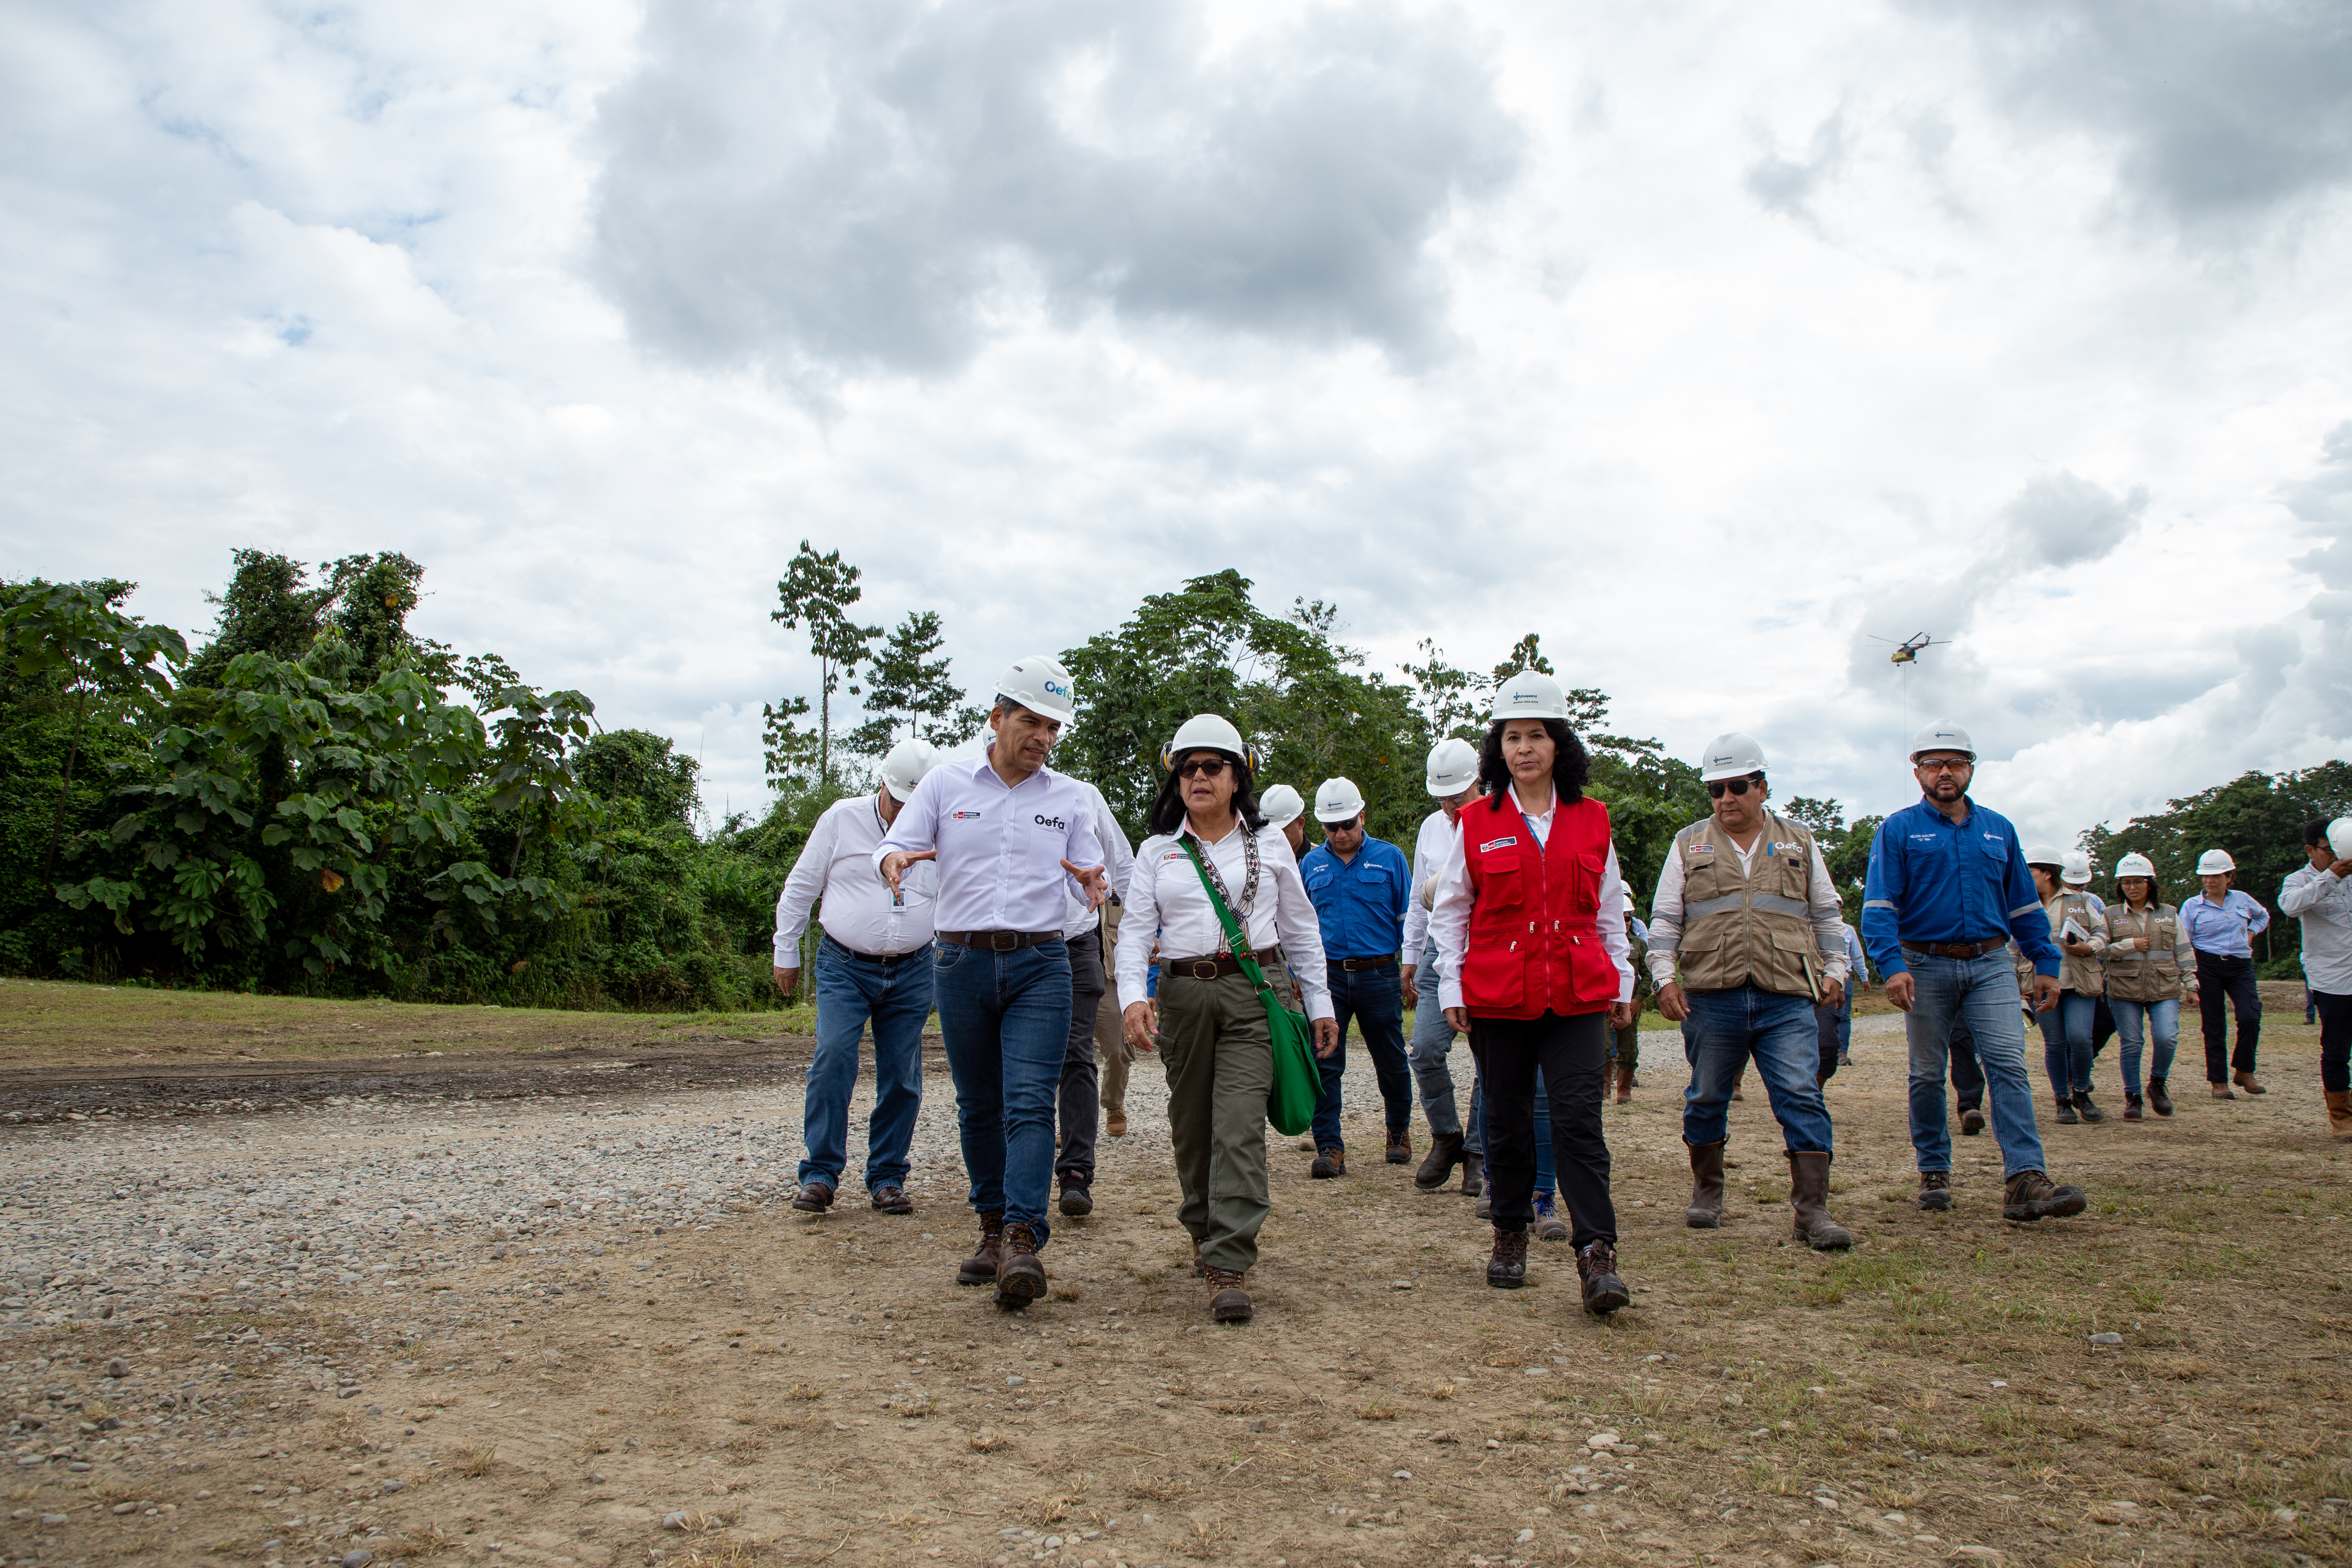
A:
1165, 892
1830, 933
1119, 862
1449, 915
1429, 847
1000, 849
836, 866
2322, 901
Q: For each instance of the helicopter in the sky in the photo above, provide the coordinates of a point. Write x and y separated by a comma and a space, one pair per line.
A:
1907, 651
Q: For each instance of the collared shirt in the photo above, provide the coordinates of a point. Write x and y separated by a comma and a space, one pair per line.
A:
1118, 864
1857, 964
1821, 906
2322, 901
1932, 879
1361, 901
1165, 892
1428, 860
2224, 928
1000, 850
1449, 914
836, 865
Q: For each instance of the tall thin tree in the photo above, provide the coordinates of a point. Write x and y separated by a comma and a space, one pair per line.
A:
815, 593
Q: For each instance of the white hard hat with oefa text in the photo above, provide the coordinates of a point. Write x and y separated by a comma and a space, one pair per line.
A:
2215, 863
2136, 865
1040, 684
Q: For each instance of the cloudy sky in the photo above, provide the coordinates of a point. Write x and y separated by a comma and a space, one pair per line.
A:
1710, 340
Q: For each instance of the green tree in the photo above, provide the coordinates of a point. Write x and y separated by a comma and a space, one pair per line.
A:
905, 685
638, 766
815, 593
269, 607
1449, 701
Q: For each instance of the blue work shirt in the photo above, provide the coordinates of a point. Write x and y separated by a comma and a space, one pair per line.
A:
2222, 928
1360, 903
1932, 879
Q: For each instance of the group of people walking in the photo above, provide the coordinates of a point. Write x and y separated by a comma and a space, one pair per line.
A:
980, 887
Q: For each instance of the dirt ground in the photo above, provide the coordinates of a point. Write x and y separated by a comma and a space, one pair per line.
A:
778, 1389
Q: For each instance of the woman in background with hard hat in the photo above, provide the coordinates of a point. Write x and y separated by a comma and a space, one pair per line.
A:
2220, 923
2147, 966
1452, 779
1209, 1023
2079, 928
1284, 808
1532, 962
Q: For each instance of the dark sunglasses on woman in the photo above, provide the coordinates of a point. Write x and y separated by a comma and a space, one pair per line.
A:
1207, 767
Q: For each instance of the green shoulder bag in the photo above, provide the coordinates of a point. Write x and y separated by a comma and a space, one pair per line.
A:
1298, 1081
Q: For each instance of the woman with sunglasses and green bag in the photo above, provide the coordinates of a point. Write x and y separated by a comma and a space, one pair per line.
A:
1213, 860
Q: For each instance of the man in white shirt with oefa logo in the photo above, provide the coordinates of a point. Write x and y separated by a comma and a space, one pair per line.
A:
873, 963
1008, 834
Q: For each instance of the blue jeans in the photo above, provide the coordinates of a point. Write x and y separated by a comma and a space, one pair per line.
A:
1433, 1073
1982, 993
2067, 1042
1729, 1027
895, 995
2134, 1020
1375, 999
1005, 1017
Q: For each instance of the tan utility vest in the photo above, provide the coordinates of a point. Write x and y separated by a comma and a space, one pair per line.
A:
1748, 930
2083, 974
2150, 976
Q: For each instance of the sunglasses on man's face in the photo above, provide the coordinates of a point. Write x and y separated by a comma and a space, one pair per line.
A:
1206, 767
1949, 765
1717, 790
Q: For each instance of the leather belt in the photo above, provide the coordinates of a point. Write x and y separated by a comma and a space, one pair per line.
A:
849, 952
1210, 968
1959, 949
1357, 966
999, 941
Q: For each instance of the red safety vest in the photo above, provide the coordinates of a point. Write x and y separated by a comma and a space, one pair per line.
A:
1533, 945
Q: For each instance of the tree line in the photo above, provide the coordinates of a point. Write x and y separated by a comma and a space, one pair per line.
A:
318, 800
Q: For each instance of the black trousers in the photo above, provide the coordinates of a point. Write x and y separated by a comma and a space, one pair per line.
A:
1968, 1078
1573, 1052
1081, 1099
2223, 984
2335, 1040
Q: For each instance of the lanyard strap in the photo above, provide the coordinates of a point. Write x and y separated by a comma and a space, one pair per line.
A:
1236, 938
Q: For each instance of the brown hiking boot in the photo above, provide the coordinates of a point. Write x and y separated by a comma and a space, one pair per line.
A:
1020, 1277
2031, 1195
1115, 1120
1228, 1302
1596, 1265
1401, 1147
1508, 1268
1329, 1163
2248, 1082
1935, 1190
980, 1268
1706, 1210
2158, 1100
1474, 1174
2339, 1115
2221, 1092
1809, 1194
1973, 1122
814, 1197
1624, 1084
1444, 1153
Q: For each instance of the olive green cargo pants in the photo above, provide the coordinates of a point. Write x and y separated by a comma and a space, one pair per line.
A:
1219, 1056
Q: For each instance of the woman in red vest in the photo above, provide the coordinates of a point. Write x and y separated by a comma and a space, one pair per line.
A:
1533, 963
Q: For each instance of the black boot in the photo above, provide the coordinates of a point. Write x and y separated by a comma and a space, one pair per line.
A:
1474, 1174
2158, 1100
2066, 1117
2132, 1112
2088, 1112
1444, 1153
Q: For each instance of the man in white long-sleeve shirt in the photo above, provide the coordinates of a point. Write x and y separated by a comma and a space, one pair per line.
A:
2320, 896
1081, 1094
1748, 915
872, 964
1453, 783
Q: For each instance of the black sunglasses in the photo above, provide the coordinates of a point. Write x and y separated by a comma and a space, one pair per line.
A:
1207, 767
1736, 786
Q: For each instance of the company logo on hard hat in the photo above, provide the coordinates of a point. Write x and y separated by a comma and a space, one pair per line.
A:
1057, 688
1525, 696
1723, 761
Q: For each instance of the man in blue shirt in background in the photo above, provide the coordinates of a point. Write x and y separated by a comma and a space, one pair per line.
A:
1947, 888
1361, 886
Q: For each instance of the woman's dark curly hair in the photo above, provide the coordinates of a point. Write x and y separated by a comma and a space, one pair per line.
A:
1570, 763
1168, 805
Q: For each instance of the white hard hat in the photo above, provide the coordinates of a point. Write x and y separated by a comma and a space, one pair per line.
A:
1040, 684
2340, 837
904, 768
2044, 855
1281, 806
1730, 756
1942, 737
2136, 865
2075, 869
1208, 733
1337, 800
1528, 695
1453, 767
2213, 862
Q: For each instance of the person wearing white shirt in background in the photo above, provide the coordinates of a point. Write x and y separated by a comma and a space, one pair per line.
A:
2320, 896
1835, 1023
2078, 925
872, 964
1081, 1092
2220, 923
1532, 963
1286, 809
1007, 834
1209, 1023
1452, 781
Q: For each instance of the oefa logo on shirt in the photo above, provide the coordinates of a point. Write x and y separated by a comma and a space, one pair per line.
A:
1055, 822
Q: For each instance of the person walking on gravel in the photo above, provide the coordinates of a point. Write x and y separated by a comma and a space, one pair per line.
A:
1361, 886
1529, 920
1451, 780
1007, 834
2147, 966
1209, 1022
873, 966
1084, 928
2320, 895
2078, 925
1746, 938
1947, 890
2220, 923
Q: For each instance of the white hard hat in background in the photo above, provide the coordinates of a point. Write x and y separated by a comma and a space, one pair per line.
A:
2214, 862
2340, 837
1453, 767
1730, 756
904, 768
2136, 865
2044, 855
1041, 685
2074, 869
1208, 733
1337, 800
1528, 695
1942, 737
1281, 806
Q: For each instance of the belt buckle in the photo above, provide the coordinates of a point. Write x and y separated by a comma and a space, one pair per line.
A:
1202, 969
1003, 941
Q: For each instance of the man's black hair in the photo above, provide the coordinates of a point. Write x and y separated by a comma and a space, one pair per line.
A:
2314, 832
1570, 763
1168, 805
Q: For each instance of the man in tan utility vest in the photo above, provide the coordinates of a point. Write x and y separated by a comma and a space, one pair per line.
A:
1743, 942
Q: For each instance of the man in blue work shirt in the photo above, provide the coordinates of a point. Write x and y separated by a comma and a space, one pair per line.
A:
1947, 888
1361, 886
